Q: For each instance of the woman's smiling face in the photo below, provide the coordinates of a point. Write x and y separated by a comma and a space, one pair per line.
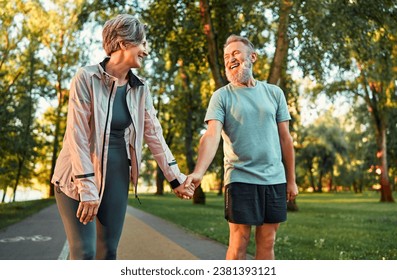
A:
135, 54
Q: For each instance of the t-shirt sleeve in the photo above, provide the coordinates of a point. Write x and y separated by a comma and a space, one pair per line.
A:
216, 108
282, 113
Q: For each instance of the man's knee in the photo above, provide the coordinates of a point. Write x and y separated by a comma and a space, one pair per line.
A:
239, 242
239, 236
266, 233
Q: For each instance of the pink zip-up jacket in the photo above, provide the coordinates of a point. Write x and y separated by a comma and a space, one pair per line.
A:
80, 170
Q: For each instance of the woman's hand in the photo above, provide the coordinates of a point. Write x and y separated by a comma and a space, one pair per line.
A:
87, 211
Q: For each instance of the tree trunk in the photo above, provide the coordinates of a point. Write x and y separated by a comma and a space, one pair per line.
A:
55, 146
331, 182
159, 181
188, 121
215, 66
280, 56
320, 182
292, 206
220, 190
212, 45
160, 178
355, 186
3, 199
372, 101
199, 195
20, 166
386, 193
279, 62
26, 149
312, 178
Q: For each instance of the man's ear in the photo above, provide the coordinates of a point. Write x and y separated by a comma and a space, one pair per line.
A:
254, 57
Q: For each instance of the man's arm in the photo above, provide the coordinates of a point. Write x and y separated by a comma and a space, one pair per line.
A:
287, 149
209, 143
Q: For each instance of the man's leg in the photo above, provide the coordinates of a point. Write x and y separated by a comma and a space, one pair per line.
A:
265, 237
239, 237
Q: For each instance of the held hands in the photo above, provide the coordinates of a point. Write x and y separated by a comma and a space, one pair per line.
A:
87, 211
194, 179
184, 191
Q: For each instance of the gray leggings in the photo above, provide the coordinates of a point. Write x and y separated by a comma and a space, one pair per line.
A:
99, 239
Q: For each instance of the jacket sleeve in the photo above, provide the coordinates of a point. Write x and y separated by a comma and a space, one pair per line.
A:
78, 133
153, 135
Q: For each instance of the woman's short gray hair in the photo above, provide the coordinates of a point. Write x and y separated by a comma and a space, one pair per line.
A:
124, 29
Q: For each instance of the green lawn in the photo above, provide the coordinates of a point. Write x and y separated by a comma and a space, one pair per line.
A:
326, 227
11, 213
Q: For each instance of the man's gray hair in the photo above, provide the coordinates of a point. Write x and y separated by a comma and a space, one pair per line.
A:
235, 38
124, 29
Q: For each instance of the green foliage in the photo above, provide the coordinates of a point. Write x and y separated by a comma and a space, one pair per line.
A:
356, 56
347, 48
327, 227
12, 213
322, 146
178, 74
22, 83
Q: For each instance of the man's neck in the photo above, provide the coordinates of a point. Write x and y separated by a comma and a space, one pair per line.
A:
250, 83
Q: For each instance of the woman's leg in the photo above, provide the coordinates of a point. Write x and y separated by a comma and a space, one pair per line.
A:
81, 238
111, 213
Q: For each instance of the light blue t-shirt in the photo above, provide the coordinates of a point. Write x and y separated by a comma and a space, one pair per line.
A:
251, 142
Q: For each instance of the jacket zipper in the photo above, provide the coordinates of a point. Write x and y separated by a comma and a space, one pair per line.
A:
104, 138
136, 158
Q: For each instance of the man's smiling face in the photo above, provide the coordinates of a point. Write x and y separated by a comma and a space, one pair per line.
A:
238, 62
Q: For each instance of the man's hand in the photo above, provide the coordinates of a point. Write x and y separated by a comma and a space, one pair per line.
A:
292, 191
193, 179
87, 211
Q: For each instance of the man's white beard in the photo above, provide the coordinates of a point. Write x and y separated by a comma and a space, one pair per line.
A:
243, 74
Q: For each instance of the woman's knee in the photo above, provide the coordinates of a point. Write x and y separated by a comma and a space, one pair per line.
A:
85, 252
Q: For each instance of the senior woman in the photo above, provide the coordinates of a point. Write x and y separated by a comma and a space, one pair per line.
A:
110, 114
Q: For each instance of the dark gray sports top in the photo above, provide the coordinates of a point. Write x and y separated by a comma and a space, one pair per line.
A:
121, 118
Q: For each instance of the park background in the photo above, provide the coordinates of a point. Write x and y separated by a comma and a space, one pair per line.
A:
336, 61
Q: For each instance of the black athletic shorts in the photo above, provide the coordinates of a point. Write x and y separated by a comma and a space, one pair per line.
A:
255, 204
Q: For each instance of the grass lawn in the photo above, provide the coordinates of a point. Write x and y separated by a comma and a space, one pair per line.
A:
11, 213
326, 227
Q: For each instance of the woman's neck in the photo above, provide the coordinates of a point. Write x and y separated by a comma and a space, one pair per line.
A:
117, 69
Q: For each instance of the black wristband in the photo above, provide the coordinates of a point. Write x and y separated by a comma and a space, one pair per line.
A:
174, 184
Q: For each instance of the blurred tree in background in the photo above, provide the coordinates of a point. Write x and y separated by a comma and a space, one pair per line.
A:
341, 49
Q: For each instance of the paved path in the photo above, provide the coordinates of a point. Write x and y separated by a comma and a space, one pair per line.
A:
145, 237
39, 237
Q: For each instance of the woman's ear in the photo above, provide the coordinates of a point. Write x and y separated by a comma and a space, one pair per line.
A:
122, 46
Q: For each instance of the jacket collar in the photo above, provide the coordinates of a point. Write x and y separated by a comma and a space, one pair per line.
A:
133, 80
